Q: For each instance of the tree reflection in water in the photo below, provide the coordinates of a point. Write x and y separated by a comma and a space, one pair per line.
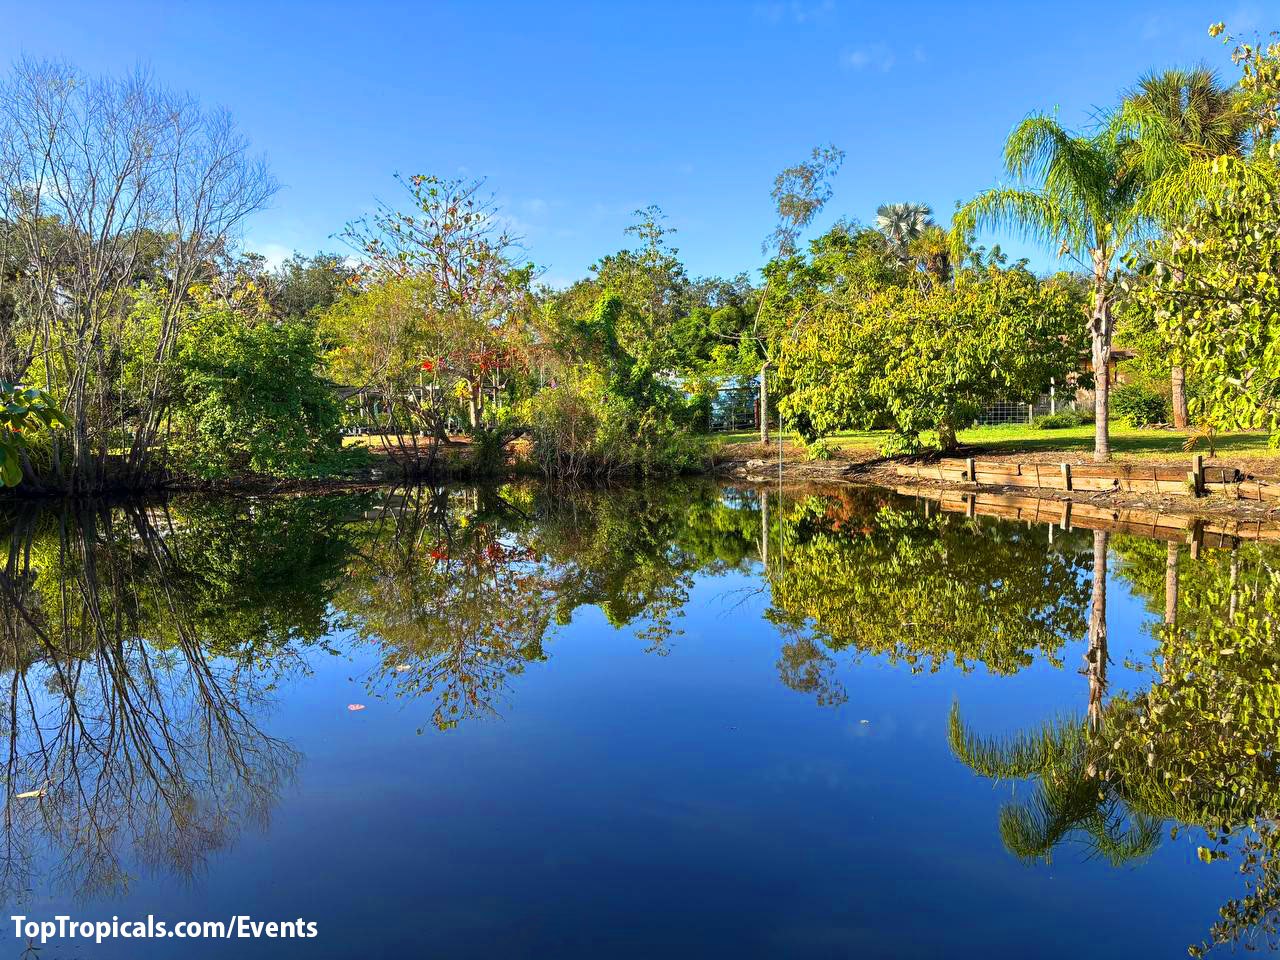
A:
1197, 749
133, 729
141, 646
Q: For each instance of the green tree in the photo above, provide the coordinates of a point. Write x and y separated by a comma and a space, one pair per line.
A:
1215, 299
1184, 118
305, 286
929, 360
252, 398
1081, 195
799, 194
453, 238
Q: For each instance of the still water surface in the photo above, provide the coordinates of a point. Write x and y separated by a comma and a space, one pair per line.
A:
682, 721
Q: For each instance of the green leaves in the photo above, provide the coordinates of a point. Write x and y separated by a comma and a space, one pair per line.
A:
23, 411
926, 360
1215, 300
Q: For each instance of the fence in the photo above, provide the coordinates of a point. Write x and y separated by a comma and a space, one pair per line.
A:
1004, 412
1066, 515
734, 408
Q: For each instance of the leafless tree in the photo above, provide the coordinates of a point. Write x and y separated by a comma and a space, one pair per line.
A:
103, 182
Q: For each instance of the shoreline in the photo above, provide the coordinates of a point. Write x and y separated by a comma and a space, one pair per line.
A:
738, 463
865, 468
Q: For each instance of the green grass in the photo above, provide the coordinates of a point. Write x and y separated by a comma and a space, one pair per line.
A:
1127, 443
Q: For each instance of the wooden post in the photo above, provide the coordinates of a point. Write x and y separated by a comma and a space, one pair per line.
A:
1196, 537
1066, 476
1065, 522
1196, 477
971, 505
970, 470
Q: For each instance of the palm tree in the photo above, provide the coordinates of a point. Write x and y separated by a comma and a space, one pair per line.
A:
1192, 113
1082, 196
901, 223
931, 253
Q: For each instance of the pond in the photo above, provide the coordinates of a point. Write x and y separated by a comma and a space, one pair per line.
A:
682, 721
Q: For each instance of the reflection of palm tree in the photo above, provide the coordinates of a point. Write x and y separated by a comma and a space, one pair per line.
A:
1096, 656
1071, 800
1171, 586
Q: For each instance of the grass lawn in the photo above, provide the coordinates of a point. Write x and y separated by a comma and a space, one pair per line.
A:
1127, 443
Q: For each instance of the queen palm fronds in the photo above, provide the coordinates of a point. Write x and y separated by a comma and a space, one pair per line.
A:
1077, 807
1020, 755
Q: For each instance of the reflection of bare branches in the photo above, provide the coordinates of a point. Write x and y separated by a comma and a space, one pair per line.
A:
132, 734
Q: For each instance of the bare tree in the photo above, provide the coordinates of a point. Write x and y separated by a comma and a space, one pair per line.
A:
104, 182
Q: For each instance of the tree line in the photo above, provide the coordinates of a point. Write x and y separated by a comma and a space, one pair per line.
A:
139, 346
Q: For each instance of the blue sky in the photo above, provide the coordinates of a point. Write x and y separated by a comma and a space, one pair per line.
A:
578, 113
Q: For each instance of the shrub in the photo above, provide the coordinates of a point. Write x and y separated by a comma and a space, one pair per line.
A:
1062, 420
1138, 406
253, 401
819, 449
901, 445
580, 429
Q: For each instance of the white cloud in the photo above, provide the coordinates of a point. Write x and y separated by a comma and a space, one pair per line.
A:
794, 10
876, 56
274, 253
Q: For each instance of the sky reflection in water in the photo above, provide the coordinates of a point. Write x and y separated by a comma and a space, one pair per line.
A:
682, 721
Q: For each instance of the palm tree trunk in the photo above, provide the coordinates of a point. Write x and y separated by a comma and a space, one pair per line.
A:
764, 529
1171, 586
1100, 335
1178, 375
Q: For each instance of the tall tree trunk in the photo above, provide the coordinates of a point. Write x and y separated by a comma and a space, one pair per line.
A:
473, 406
764, 403
1178, 375
1178, 381
1096, 656
1100, 337
764, 529
1171, 587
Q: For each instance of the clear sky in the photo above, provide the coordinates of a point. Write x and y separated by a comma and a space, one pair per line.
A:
578, 113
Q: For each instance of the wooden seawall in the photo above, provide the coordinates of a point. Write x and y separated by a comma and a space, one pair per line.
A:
1067, 514
1195, 481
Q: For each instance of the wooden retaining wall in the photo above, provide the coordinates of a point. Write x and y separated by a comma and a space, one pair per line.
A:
1195, 481
1223, 532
